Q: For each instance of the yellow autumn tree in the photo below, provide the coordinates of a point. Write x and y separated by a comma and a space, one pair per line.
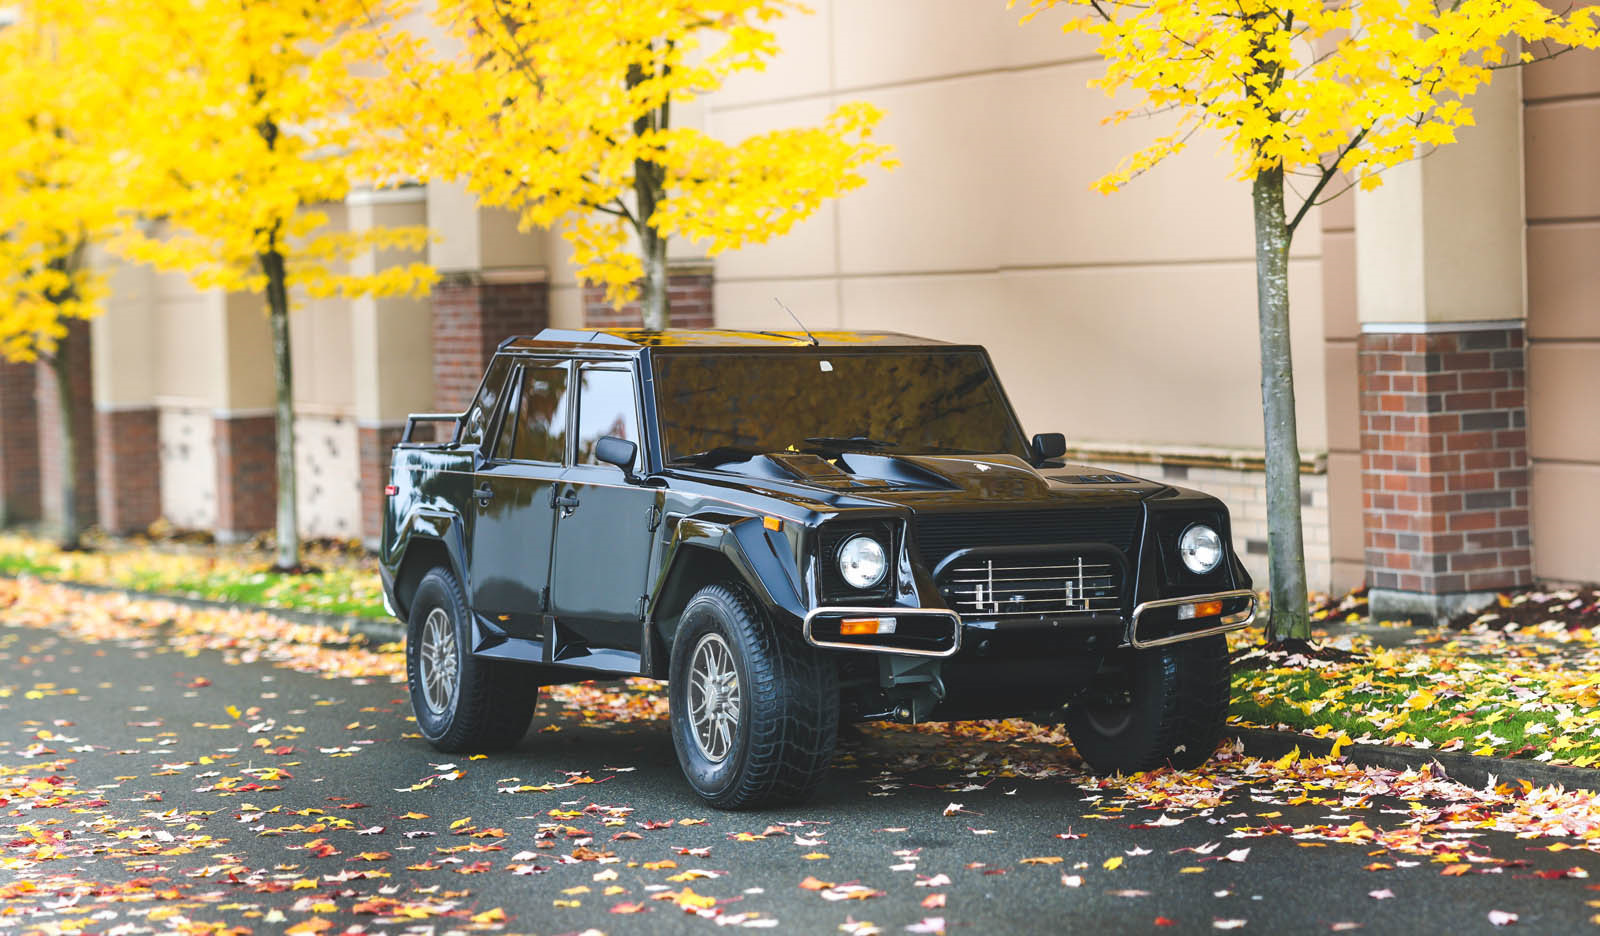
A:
1313, 91
237, 134
561, 110
57, 196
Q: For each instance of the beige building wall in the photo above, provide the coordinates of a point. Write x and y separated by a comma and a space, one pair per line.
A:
1125, 321
1561, 126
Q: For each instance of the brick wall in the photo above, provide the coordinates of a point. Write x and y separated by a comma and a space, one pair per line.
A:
471, 315
247, 479
1444, 461
128, 468
689, 298
1244, 491
376, 444
19, 444
79, 367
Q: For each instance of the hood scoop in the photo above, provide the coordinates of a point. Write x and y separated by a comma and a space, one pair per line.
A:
1097, 479
814, 469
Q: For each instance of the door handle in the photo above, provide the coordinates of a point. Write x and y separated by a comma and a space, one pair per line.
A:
483, 493
568, 502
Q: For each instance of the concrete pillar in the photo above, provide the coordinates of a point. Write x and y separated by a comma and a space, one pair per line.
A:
391, 349
1440, 297
127, 435
243, 428
493, 284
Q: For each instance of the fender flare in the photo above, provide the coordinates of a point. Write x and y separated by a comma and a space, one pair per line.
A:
762, 558
429, 525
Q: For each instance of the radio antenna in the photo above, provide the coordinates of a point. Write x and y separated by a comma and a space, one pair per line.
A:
797, 321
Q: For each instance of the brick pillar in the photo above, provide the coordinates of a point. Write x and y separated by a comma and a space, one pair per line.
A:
689, 296
247, 479
1444, 460
377, 441
80, 371
19, 444
471, 315
128, 468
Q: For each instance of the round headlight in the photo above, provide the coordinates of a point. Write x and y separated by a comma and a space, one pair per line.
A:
862, 561
1201, 548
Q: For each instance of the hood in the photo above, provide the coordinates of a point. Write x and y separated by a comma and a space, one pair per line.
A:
931, 481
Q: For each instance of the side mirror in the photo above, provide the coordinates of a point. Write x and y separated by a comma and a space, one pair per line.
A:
619, 452
1049, 445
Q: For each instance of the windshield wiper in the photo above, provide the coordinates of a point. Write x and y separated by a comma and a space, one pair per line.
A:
853, 442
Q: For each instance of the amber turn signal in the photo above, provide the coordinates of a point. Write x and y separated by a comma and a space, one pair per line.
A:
771, 523
859, 627
1199, 609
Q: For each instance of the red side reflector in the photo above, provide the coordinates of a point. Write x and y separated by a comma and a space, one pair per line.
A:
390, 491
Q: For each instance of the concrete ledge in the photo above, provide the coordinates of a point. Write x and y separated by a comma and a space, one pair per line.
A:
1388, 604
1468, 769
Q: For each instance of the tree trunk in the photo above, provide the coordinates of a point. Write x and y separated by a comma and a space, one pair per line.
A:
1285, 542
288, 551
70, 530
653, 300
654, 305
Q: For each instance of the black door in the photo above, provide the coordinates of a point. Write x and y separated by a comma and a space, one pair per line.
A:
514, 518
603, 537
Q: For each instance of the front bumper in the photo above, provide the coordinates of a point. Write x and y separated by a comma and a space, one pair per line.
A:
923, 632
1167, 630
942, 633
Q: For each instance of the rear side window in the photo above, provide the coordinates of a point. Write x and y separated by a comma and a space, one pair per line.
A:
539, 431
605, 408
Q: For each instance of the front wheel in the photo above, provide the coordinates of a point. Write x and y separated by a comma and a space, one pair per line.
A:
462, 703
1169, 708
754, 709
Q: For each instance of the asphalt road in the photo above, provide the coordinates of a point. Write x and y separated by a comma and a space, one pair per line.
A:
194, 792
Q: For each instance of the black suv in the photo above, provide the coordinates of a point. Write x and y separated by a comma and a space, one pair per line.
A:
796, 531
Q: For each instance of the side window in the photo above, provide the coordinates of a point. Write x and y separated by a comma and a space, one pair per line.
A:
605, 408
541, 423
482, 408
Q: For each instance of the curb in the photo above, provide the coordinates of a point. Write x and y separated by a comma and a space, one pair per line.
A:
1469, 769
377, 630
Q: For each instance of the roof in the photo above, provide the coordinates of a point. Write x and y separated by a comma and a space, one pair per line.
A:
626, 339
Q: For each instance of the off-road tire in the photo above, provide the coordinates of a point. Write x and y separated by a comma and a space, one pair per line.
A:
789, 705
1178, 711
493, 702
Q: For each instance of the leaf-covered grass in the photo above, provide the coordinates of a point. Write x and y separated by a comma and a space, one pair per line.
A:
343, 587
1490, 693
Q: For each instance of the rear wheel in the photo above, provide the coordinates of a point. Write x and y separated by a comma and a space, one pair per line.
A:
1169, 708
754, 709
462, 703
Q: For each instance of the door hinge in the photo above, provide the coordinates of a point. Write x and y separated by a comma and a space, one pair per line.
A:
652, 518
644, 604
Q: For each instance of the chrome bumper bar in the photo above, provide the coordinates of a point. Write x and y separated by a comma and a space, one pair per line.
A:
893, 611
1229, 623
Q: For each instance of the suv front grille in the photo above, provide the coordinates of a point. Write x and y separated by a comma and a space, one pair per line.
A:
1045, 584
940, 534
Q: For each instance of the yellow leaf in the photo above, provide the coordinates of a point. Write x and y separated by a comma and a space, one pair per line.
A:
1113, 864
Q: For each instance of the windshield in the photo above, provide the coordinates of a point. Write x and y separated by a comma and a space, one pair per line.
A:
901, 401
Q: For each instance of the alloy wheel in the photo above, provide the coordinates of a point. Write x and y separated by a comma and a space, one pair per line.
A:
714, 697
